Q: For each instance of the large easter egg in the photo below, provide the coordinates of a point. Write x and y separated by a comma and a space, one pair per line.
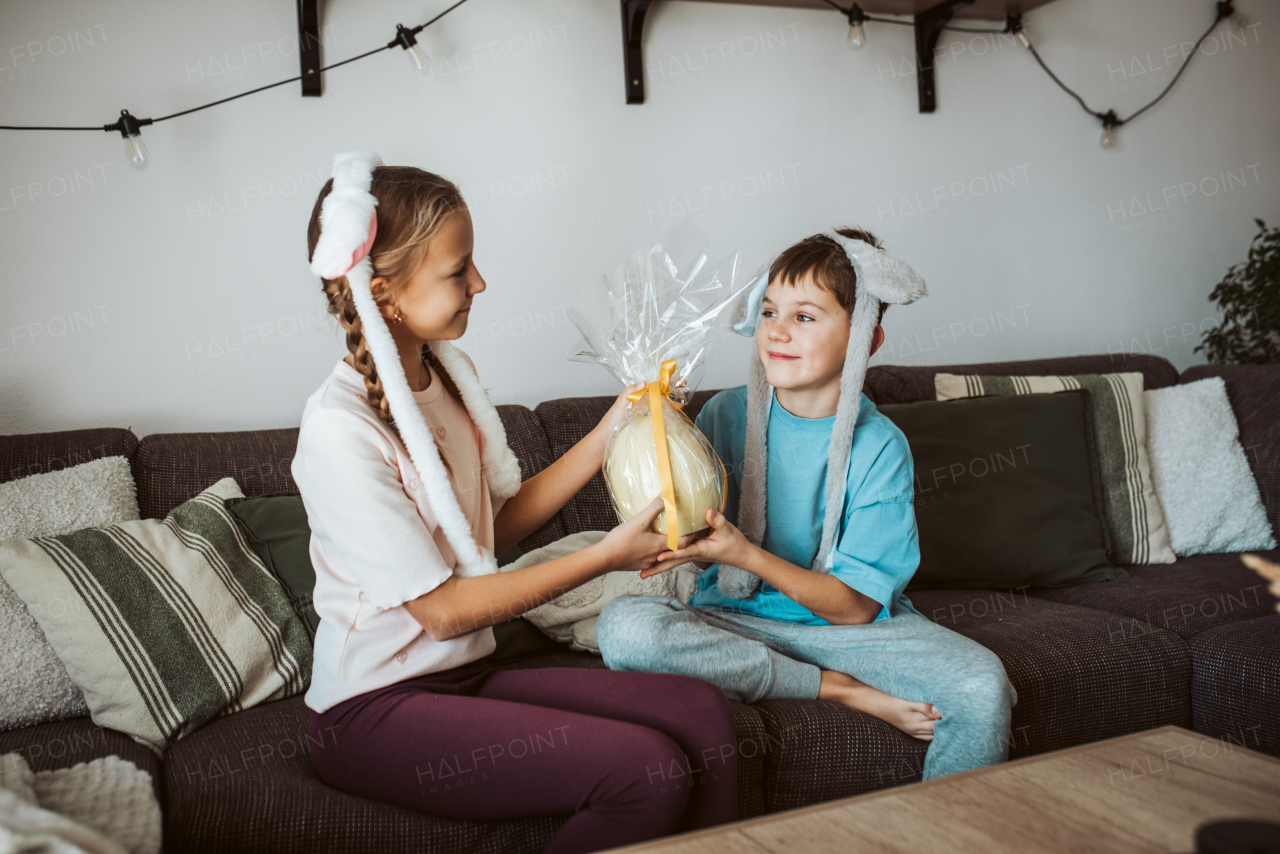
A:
631, 469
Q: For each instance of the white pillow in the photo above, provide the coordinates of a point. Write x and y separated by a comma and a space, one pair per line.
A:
34, 685
1211, 501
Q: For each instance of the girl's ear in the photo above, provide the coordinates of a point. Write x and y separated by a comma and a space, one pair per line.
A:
379, 286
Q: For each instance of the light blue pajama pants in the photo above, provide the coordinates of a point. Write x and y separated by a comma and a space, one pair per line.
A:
754, 658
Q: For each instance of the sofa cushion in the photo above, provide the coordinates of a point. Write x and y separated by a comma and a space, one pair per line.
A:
1075, 685
1254, 391
1077, 682
25, 454
566, 422
1024, 507
173, 467
1195, 594
1117, 420
245, 783
62, 744
907, 384
528, 441
1235, 686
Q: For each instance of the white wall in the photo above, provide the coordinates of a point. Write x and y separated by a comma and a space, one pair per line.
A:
178, 298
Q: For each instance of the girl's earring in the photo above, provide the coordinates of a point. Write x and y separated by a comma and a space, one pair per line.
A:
397, 319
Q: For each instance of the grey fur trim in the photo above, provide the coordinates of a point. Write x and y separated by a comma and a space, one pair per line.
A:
861, 328
734, 582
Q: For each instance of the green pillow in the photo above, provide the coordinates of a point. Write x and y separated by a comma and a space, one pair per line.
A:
1007, 492
275, 527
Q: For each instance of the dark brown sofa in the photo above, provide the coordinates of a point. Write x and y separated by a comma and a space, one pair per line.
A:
1196, 644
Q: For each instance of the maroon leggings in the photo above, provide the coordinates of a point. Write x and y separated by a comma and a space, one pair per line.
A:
633, 756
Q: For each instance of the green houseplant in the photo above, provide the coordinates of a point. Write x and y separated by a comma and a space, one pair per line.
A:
1249, 297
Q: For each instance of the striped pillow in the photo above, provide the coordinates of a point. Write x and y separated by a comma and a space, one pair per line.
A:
1134, 518
165, 624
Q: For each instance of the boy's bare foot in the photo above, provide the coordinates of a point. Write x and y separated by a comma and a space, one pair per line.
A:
915, 719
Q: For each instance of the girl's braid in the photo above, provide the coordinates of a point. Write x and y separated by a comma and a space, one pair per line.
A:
344, 307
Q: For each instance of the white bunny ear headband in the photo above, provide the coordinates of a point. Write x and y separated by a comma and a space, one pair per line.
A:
348, 226
880, 278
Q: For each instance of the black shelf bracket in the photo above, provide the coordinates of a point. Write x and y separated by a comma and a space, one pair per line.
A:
633, 12
929, 24
309, 46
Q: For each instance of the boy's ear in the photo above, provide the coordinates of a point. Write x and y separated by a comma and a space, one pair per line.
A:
877, 338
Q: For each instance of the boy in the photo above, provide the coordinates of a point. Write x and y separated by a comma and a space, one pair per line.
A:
803, 597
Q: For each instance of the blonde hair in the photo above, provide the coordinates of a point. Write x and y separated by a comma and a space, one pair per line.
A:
413, 205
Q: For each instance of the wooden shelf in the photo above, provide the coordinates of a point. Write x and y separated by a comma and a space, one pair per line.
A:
930, 17
985, 10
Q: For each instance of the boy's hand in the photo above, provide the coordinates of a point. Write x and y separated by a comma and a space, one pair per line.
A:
633, 547
725, 544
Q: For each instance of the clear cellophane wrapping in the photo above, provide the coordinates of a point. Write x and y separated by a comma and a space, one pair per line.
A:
664, 302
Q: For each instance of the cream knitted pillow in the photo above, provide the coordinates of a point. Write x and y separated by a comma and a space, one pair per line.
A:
34, 685
1210, 498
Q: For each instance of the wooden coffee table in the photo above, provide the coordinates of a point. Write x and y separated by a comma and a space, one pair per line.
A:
1144, 792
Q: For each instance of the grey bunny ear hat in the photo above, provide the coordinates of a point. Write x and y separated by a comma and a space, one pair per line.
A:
879, 278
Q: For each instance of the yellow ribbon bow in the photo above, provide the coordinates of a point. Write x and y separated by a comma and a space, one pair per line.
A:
657, 390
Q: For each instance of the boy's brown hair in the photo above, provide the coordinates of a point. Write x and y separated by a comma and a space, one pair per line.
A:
827, 261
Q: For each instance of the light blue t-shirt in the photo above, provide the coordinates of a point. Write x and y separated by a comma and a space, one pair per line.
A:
877, 549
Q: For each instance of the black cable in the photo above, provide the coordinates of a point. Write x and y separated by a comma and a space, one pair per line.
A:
224, 100
31, 127
1186, 62
1110, 118
1065, 87
115, 126
422, 27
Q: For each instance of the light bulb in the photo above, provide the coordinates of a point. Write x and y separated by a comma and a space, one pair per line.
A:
1105, 140
405, 40
1022, 37
135, 152
1239, 20
130, 127
420, 61
857, 38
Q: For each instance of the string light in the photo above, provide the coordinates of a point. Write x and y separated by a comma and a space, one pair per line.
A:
856, 36
135, 151
1225, 9
1110, 121
130, 126
405, 39
1013, 25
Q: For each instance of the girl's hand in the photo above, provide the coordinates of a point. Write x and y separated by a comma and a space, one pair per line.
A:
617, 412
725, 544
632, 547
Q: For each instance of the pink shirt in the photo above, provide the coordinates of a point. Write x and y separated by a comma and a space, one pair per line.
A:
375, 543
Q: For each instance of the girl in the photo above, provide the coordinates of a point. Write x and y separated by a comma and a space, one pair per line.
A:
411, 489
